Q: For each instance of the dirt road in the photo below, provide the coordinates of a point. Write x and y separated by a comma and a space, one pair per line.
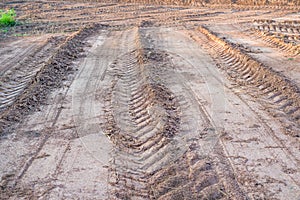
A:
155, 102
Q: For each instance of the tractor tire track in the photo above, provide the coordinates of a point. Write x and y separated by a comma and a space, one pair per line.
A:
13, 83
278, 92
267, 135
143, 120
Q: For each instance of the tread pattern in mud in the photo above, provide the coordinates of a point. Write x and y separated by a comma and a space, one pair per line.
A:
142, 117
282, 35
287, 27
31, 90
13, 82
265, 83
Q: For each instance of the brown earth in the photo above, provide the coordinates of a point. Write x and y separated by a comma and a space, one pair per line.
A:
132, 101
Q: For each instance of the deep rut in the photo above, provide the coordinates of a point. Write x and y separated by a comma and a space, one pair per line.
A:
141, 119
146, 122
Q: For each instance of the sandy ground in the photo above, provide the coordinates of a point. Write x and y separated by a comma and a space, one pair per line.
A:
158, 102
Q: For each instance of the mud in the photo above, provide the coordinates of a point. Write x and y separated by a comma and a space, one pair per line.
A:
30, 88
148, 101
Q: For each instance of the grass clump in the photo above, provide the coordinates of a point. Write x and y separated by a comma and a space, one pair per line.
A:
7, 18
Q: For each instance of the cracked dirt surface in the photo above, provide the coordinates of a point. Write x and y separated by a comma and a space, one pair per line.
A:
128, 101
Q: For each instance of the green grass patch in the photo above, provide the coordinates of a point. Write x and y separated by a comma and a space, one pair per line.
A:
4, 30
20, 34
7, 18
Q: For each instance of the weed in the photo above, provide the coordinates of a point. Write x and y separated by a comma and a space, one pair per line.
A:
5, 30
20, 34
7, 18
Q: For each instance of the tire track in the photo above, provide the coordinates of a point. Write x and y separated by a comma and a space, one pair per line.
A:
271, 40
282, 35
287, 28
271, 87
142, 119
149, 125
9, 61
66, 50
12, 84
266, 135
48, 76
